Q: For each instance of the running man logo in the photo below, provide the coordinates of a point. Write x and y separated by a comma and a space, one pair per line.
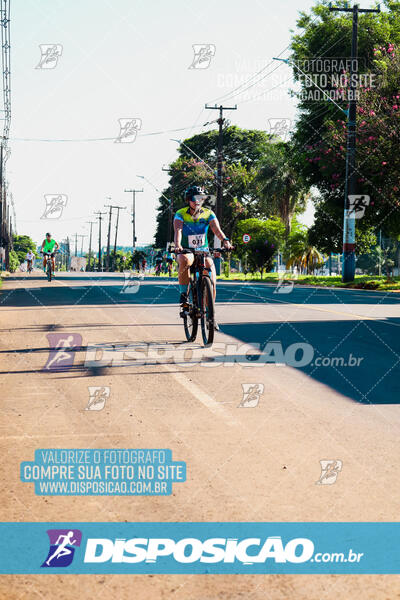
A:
97, 397
78, 263
279, 129
62, 350
50, 53
329, 471
131, 283
55, 204
251, 394
203, 53
128, 129
357, 206
285, 286
62, 547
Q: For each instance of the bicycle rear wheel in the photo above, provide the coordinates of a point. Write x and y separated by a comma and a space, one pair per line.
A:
190, 317
207, 311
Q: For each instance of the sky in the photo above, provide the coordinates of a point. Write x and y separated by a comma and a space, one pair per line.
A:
130, 59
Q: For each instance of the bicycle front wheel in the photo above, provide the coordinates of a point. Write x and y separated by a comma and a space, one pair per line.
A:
190, 317
49, 270
207, 311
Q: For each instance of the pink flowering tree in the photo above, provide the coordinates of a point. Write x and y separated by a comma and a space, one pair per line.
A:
378, 140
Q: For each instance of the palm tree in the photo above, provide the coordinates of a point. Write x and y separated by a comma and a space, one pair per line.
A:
283, 191
308, 259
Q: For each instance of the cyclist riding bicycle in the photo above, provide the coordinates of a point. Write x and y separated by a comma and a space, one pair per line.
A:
49, 245
191, 225
158, 262
30, 257
170, 261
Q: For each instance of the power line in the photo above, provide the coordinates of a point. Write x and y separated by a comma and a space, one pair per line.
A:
105, 139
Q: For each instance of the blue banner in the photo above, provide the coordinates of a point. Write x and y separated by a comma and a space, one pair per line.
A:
103, 472
190, 548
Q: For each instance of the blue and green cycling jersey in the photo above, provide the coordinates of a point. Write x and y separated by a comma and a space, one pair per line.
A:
194, 231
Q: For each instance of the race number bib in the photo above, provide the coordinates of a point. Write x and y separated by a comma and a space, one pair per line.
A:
197, 241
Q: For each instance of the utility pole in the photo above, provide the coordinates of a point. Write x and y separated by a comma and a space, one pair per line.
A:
91, 223
133, 192
170, 210
219, 207
82, 236
100, 217
76, 244
349, 223
108, 234
68, 254
220, 122
116, 233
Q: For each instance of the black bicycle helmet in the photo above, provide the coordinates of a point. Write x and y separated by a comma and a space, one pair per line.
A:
193, 190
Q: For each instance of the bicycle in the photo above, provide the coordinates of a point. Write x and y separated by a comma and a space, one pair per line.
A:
169, 267
201, 305
29, 267
49, 264
158, 269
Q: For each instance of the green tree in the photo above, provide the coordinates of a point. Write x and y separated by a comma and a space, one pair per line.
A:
14, 261
326, 233
321, 131
266, 239
21, 244
242, 151
296, 241
283, 191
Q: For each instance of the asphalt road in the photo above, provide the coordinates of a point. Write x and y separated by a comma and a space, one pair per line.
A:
249, 458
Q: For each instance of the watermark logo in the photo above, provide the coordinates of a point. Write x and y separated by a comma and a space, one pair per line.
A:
50, 53
279, 129
78, 263
330, 78
132, 283
62, 350
128, 129
285, 286
330, 470
55, 204
63, 543
98, 395
203, 54
357, 205
251, 394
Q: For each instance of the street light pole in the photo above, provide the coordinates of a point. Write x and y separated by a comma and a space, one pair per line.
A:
100, 217
91, 223
116, 233
133, 192
108, 235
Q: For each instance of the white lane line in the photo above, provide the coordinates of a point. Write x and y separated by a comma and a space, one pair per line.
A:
207, 401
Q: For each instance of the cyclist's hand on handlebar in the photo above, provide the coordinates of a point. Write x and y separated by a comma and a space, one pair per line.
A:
178, 249
227, 245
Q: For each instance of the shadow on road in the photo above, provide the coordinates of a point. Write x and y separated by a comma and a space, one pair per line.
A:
358, 358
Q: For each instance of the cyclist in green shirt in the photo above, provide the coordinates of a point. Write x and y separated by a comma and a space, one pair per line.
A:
49, 245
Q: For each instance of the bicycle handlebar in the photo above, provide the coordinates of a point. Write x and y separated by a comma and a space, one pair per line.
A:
205, 251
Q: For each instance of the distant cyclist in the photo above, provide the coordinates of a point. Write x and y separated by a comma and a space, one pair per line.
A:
158, 261
49, 245
170, 262
30, 257
191, 225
